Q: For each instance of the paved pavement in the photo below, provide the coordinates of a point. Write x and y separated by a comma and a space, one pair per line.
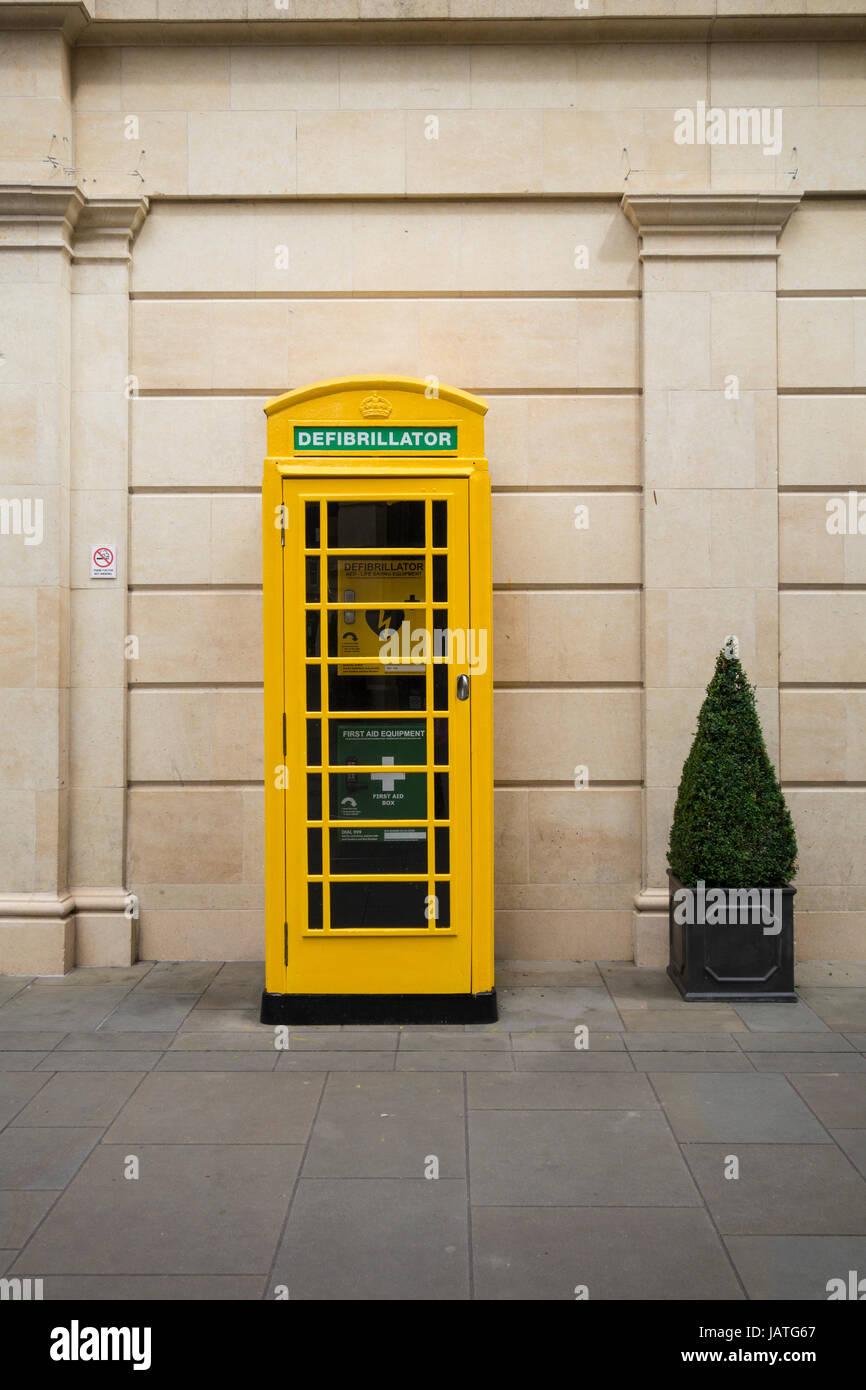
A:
154, 1143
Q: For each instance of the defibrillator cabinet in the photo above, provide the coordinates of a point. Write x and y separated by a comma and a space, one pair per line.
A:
378, 705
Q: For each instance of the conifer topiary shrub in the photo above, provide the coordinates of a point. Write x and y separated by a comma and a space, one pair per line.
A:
731, 826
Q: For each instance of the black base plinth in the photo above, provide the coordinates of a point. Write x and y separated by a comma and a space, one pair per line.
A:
379, 1008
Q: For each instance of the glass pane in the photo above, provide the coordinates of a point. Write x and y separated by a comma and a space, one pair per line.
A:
314, 906
368, 742
441, 681
382, 692
443, 850
314, 743
440, 741
314, 851
379, 904
378, 796
311, 510
375, 524
440, 795
312, 562
394, 636
440, 523
440, 578
314, 687
378, 850
443, 899
314, 796
313, 619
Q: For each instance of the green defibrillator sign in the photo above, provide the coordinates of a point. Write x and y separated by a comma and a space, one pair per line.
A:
388, 439
384, 795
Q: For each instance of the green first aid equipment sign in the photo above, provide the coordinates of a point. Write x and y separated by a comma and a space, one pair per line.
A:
384, 795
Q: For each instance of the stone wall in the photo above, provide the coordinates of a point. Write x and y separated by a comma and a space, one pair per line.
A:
517, 219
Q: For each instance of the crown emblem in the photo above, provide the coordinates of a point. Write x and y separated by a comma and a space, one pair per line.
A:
375, 407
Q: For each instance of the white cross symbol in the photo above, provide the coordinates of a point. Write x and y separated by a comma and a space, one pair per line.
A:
388, 779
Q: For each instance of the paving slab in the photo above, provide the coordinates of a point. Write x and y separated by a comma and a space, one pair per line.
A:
634, 1253
697, 1018
10, 985
704, 1108
384, 1124
793, 1062
838, 1101
576, 1158
146, 1010
80, 1099
857, 1040
373, 1040
98, 1061
563, 1041
195, 1209
794, 1267
178, 977
825, 1041
16, 1091
783, 1189
785, 1017
843, 1009
572, 1061
376, 1239
67, 1010
561, 1091
21, 1061
853, 1143
96, 977
226, 1020
690, 1061
221, 1061
442, 1041
43, 1159
560, 974
219, 1108
829, 972
29, 1041
148, 1041
6, 1258
535, 1009
453, 1061
680, 1042
233, 995
633, 988
229, 1041
20, 1214
335, 1061
144, 1288
242, 972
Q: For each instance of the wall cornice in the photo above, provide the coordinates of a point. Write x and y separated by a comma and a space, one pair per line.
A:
709, 224
61, 217
432, 21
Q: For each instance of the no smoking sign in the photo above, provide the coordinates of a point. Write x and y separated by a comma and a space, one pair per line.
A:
103, 562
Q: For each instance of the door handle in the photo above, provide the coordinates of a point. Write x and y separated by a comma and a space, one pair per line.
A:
462, 687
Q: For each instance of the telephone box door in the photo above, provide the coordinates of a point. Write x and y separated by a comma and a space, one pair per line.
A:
378, 656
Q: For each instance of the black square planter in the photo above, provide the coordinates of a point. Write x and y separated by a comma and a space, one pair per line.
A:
734, 958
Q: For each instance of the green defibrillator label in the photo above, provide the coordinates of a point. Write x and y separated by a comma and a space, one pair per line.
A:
390, 439
384, 795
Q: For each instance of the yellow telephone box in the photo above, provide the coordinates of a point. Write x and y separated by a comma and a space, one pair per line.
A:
378, 705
